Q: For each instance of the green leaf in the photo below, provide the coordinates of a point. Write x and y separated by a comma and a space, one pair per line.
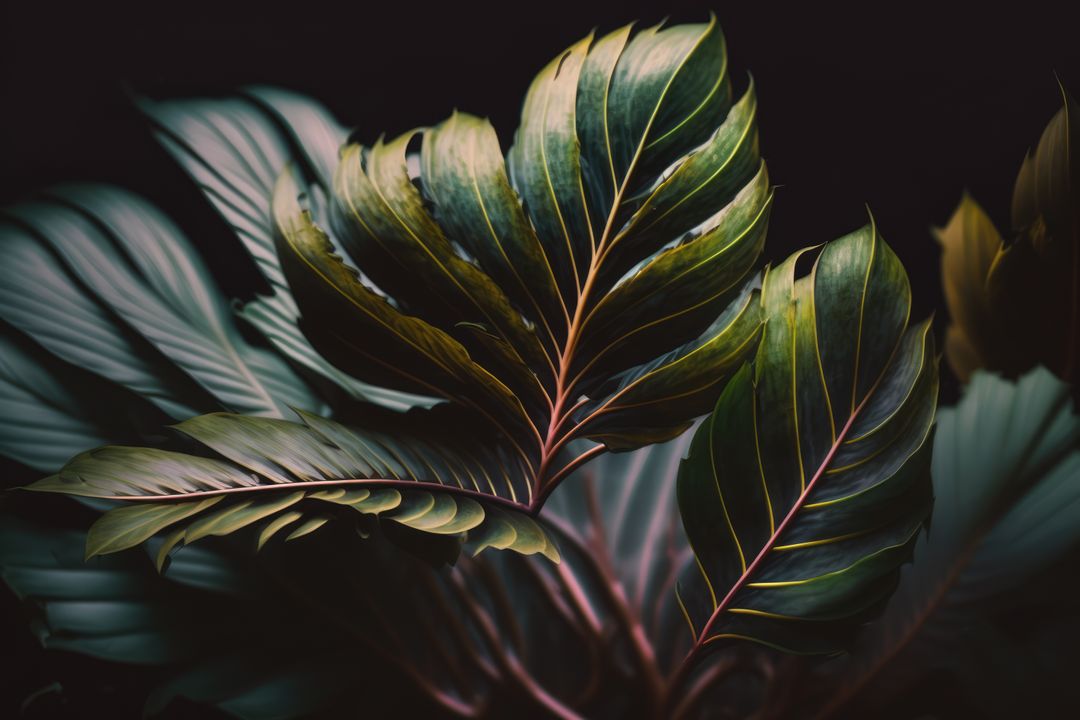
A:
597, 284
267, 468
397, 349
51, 410
139, 265
805, 490
233, 149
1007, 506
42, 299
466, 180
628, 216
678, 386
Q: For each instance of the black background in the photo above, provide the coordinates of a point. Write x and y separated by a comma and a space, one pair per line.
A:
898, 107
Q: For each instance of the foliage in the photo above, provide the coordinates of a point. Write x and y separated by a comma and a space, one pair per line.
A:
1015, 303
806, 488
1005, 468
580, 290
493, 634
446, 335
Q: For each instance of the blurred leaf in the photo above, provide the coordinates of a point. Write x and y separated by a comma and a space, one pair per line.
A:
1007, 508
234, 149
50, 410
1016, 304
969, 244
135, 263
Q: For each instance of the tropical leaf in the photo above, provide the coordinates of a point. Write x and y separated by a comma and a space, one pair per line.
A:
498, 634
628, 215
806, 488
1006, 462
1016, 304
234, 149
146, 272
593, 291
295, 476
43, 299
51, 410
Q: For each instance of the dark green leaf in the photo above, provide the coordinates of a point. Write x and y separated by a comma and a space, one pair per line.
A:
51, 410
805, 489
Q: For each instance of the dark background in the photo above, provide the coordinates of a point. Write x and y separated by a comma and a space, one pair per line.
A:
898, 107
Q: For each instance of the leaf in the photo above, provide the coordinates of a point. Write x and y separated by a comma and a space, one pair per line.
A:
428, 265
970, 242
678, 385
233, 149
467, 183
51, 410
138, 265
41, 298
629, 214
1016, 304
1005, 466
806, 488
411, 353
267, 467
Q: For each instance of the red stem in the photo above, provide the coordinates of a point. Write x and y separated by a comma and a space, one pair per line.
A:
688, 662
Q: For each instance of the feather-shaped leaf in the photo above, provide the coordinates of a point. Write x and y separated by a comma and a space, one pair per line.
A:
805, 490
266, 467
233, 149
596, 284
579, 634
138, 265
41, 298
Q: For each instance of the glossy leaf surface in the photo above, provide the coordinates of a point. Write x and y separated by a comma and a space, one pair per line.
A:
806, 488
292, 476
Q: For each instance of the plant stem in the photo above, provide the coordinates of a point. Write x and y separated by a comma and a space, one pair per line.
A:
682, 673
